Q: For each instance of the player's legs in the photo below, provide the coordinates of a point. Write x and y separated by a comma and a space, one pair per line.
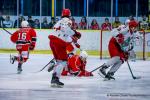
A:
22, 56
59, 51
113, 69
106, 65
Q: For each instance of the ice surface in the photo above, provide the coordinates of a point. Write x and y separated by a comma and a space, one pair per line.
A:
36, 86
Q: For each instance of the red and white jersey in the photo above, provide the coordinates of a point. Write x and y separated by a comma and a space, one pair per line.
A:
63, 29
123, 29
75, 64
127, 37
24, 36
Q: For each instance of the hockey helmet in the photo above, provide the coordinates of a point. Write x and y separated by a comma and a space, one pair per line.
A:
66, 13
83, 54
127, 22
133, 24
24, 24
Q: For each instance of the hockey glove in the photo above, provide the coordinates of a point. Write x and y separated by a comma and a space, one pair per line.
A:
31, 47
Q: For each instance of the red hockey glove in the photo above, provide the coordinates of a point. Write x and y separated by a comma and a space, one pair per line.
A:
124, 57
31, 47
74, 39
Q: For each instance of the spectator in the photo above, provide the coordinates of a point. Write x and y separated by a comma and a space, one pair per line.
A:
45, 23
7, 23
18, 22
143, 23
106, 25
116, 22
56, 20
74, 24
36, 23
94, 25
1, 19
30, 21
52, 23
83, 23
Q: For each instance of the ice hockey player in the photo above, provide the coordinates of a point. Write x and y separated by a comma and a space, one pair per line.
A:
59, 40
76, 65
25, 39
119, 46
71, 49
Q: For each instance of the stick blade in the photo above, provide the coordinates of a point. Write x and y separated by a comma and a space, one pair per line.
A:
137, 77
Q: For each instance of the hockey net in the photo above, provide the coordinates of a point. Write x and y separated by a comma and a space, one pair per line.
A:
141, 46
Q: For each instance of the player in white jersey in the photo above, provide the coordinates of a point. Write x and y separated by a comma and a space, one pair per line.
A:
118, 47
59, 40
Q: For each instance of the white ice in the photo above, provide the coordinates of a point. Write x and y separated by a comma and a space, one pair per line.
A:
36, 86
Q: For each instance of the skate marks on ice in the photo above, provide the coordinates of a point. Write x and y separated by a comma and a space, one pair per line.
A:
36, 86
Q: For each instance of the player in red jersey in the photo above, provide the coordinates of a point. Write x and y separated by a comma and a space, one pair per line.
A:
25, 39
76, 65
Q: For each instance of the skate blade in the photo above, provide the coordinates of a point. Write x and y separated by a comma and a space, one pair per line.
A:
106, 79
100, 74
56, 85
19, 72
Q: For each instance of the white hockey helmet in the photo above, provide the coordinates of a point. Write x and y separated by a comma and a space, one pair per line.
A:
24, 24
83, 54
127, 22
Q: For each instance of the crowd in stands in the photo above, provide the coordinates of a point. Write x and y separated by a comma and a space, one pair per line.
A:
6, 22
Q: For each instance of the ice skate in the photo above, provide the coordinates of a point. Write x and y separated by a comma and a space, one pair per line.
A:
102, 71
51, 66
12, 59
109, 76
19, 70
55, 82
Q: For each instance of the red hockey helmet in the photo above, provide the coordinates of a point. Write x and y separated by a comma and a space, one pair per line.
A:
133, 24
66, 13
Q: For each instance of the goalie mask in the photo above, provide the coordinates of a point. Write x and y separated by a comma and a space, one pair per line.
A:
24, 24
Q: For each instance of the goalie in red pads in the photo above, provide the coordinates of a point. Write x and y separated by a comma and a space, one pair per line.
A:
25, 39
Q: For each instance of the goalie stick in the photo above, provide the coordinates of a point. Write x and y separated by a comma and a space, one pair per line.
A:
138, 77
7, 31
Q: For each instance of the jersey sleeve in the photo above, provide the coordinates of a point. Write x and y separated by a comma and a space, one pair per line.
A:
14, 37
33, 39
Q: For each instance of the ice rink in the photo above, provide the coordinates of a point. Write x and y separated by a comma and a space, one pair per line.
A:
36, 86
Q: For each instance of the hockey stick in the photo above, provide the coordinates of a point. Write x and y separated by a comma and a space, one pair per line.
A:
7, 31
138, 77
46, 65
96, 69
